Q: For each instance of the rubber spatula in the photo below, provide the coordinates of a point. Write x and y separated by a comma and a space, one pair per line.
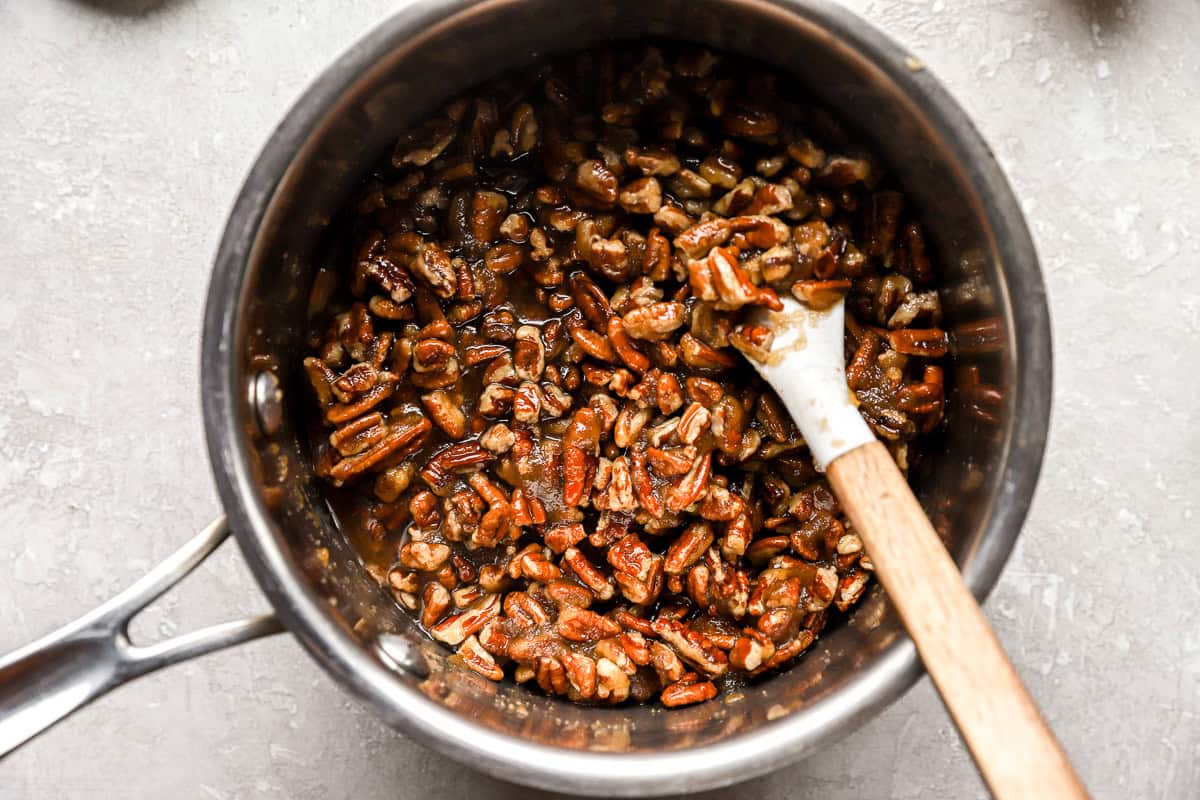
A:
1013, 747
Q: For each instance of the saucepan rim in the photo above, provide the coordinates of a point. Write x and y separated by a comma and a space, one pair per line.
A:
307, 616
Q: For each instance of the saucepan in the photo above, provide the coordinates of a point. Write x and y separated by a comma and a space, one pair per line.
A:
977, 491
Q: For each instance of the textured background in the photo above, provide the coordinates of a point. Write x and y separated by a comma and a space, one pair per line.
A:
125, 130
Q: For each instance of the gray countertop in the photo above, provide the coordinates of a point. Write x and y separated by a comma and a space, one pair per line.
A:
125, 130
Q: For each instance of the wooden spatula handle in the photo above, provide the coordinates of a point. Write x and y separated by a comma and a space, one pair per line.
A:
1011, 743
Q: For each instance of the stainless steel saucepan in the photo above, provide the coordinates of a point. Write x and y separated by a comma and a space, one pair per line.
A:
979, 488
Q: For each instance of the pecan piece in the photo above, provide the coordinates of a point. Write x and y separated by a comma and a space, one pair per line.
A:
597, 180
527, 402
629, 424
581, 673
624, 348
688, 548
446, 412
669, 393
424, 556
930, 343
697, 355
564, 535
499, 439
652, 161
433, 266
671, 462
581, 625
401, 435
591, 577
613, 650
590, 300
643, 484
688, 691
457, 627
751, 650
569, 593
594, 344
666, 663
692, 486
697, 240
488, 209
642, 196
654, 322
820, 294
694, 422
693, 647
529, 354
496, 400
721, 279
435, 601
357, 435
753, 341
385, 385
477, 658
579, 444
620, 496
612, 683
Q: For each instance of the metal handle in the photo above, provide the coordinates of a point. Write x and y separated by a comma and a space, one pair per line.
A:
45, 681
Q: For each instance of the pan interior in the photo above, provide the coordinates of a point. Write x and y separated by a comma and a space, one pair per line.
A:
410, 67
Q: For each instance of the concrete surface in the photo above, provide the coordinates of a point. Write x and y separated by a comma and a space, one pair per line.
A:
125, 130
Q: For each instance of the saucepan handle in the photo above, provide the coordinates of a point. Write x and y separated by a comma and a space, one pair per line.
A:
45, 681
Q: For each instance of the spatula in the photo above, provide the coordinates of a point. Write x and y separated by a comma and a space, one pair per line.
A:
1013, 747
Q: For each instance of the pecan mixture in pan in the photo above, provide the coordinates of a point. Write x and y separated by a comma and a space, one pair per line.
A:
530, 384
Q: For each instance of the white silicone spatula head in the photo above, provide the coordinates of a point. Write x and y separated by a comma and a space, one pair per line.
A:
807, 369
1015, 750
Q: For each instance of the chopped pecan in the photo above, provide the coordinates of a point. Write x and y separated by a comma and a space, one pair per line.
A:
445, 411
820, 294
699, 239
656, 321
687, 692
671, 462
591, 577
652, 161
499, 438
629, 424
643, 483
597, 180
477, 658
400, 436
668, 393
631, 555
580, 443
569, 593
435, 601
693, 424
692, 646
456, 628
433, 266
527, 402
930, 343
688, 548
529, 354
624, 348
691, 487
581, 625
581, 673
753, 341
641, 196
594, 344
357, 435
612, 683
